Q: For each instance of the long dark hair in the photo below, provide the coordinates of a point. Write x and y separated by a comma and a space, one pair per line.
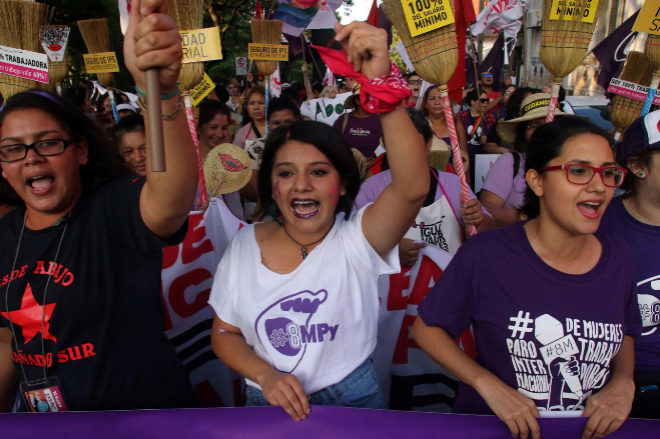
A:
547, 143
101, 166
325, 139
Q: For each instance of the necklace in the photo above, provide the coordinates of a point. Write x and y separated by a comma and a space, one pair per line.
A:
303, 247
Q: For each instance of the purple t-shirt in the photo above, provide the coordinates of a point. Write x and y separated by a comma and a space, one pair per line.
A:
501, 181
644, 239
361, 133
534, 326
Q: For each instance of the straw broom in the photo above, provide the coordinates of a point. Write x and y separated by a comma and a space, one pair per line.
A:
435, 56
96, 35
19, 29
266, 32
652, 52
624, 109
564, 44
188, 15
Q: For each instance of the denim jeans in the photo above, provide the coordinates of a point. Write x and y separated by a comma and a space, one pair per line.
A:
359, 389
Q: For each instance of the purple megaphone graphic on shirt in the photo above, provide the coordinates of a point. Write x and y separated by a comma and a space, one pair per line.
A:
282, 326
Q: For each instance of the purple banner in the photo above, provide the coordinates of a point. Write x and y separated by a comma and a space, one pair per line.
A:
274, 423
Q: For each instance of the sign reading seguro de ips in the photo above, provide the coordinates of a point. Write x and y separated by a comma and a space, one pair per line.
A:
574, 10
24, 64
426, 15
201, 45
648, 20
105, 62
268, 52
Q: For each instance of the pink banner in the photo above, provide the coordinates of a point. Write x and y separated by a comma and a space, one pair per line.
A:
24, 72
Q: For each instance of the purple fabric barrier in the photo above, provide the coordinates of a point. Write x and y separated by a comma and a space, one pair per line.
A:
273, 423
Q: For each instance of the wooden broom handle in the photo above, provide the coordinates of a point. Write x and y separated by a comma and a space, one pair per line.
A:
456, 150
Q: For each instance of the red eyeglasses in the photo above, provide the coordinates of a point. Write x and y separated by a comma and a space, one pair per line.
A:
579, 173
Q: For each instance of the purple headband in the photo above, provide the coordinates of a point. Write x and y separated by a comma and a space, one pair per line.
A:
38, 92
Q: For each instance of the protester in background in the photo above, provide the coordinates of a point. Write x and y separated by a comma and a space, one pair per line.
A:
329, 91
359, 129
415, 84
131, 143
101, 343
254, 119
487, 84
433, 108
503, 191
635, 217
124, 110
565, 274
494, 144
477, 123
79, 95
309, 177
501, 113
234, 101
213, 125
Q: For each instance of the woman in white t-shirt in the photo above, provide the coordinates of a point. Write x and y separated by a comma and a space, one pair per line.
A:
296, 299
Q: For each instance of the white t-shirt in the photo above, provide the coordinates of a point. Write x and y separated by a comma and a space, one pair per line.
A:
318, 322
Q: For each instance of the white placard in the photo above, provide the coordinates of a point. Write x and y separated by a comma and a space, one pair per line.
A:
483, 163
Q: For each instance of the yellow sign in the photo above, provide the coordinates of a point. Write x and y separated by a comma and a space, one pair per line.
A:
648, 20
201, 45
105, 62
201, 90
268, 52
574, 10
427, 15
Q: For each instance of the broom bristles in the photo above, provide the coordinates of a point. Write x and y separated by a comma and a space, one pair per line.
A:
625, 110
188, 15
564, 43
96, 35
434, 54
19, 28
266, 32
652, 50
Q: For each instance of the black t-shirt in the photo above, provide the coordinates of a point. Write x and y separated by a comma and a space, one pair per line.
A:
104, 319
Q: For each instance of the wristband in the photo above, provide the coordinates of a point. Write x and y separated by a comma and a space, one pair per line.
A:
379, 95
162, 97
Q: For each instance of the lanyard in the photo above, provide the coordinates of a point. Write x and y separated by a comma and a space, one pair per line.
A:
43, 309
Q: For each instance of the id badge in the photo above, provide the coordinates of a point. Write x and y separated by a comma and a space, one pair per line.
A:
45, 396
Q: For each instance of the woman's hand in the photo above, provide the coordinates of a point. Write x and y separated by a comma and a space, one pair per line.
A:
365, 47
285, 390
153, 41
472, 212
608, 408
518, 412
409, 251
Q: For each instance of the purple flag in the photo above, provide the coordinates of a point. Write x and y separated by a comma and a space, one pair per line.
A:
611, 51
492, 63
274, 423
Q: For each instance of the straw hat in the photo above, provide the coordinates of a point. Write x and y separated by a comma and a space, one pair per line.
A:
227, 168
532, 107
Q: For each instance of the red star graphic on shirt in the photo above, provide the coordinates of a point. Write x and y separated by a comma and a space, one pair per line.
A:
29, 317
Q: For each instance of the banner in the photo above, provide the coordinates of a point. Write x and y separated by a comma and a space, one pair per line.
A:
24, 64
324, 110
274, 423
649, 18
275, 83
187, 277
200, 45
632, 90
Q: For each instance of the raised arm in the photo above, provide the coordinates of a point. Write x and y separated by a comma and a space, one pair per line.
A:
154, 41
387, 219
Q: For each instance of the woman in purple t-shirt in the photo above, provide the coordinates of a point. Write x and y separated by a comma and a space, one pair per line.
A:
552, 309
